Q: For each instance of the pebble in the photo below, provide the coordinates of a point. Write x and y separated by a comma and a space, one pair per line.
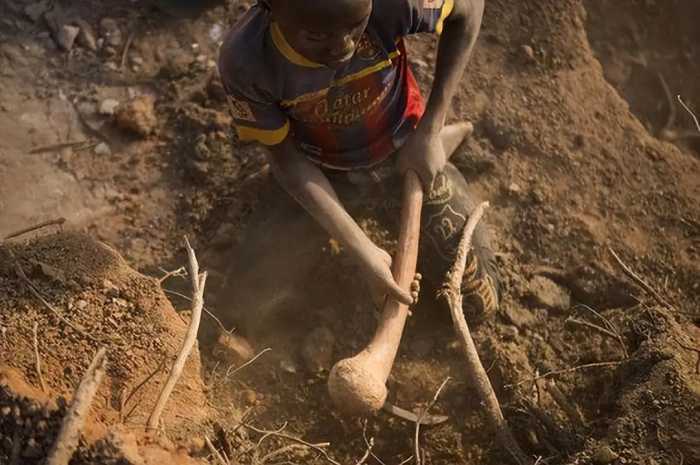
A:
546, 293
250, 397
102, 149
66, 35
509, 332
604, 455
528, 52
108, 106
513, 188
110, 31
86, 37
138, 115
81, 304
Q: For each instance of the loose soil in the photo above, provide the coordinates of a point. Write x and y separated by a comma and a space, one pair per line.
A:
572, 150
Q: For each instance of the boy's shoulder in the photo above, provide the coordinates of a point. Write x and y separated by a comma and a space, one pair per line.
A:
243, 56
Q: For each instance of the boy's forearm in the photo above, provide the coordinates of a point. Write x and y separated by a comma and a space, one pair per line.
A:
309, 186
457, 41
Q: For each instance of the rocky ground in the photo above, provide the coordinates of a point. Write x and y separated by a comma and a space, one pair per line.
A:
111, 115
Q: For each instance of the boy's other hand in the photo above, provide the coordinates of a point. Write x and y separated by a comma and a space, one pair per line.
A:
423, 153
377, 263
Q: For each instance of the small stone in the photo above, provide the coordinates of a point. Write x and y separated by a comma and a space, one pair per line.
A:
288, 366
138, 115
108, 107
513, 188
102, 149
546, 293
32, 450
317, 350
110, 31
66, 35
509, 332
196, 444
250, 397
136, 60
604, 455
231, 348
528, 53
86, 37
520, 317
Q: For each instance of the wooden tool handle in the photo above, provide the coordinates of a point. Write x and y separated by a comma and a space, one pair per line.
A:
388, 335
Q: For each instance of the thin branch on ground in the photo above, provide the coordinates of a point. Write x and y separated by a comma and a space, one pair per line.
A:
423, 413
198, 285
692, 115
571, 409
127, 46
45, 224
179, 273
59, 146
369, 443
123, 418
205, 309
565, 371
640, 282
23, 276
217, 455
231, 372
37, 357
279, 433
609, 325
451, 292
602, 330
67, 441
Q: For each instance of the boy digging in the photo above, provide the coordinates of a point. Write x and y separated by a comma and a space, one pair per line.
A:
326, 86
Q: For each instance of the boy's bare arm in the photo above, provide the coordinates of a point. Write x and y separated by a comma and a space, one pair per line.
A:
309, 186
423, 152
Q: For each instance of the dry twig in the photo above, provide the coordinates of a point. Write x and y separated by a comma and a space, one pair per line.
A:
127, 398
566, 370
692, 115
423, 413
217, 455
67, 441
475, 369
640, 282
198, 284
279, 433
35, 332
204, 308
613, 329
59, 146
180, 273
45, 224
231, 372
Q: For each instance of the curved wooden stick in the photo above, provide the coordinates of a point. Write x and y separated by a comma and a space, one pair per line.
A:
358, 385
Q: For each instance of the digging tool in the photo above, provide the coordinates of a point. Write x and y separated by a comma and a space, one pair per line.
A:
357, 385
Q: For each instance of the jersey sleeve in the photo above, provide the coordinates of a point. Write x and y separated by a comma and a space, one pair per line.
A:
414, 16
255, 114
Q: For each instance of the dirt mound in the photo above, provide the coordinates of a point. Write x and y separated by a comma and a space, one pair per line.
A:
101, 302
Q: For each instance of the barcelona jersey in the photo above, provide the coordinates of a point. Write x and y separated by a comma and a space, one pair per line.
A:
348, 118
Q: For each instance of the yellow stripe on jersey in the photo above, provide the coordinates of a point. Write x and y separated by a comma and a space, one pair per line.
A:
447, 8
264, 136
286, 49
342, 81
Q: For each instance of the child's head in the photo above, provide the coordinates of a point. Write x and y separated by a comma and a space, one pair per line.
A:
325, 32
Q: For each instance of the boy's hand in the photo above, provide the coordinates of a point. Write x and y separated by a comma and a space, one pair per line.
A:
423, 153
377, 264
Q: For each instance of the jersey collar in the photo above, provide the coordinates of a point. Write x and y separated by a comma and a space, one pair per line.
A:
286, 49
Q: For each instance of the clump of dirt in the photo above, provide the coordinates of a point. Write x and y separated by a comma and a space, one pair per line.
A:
101, 302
